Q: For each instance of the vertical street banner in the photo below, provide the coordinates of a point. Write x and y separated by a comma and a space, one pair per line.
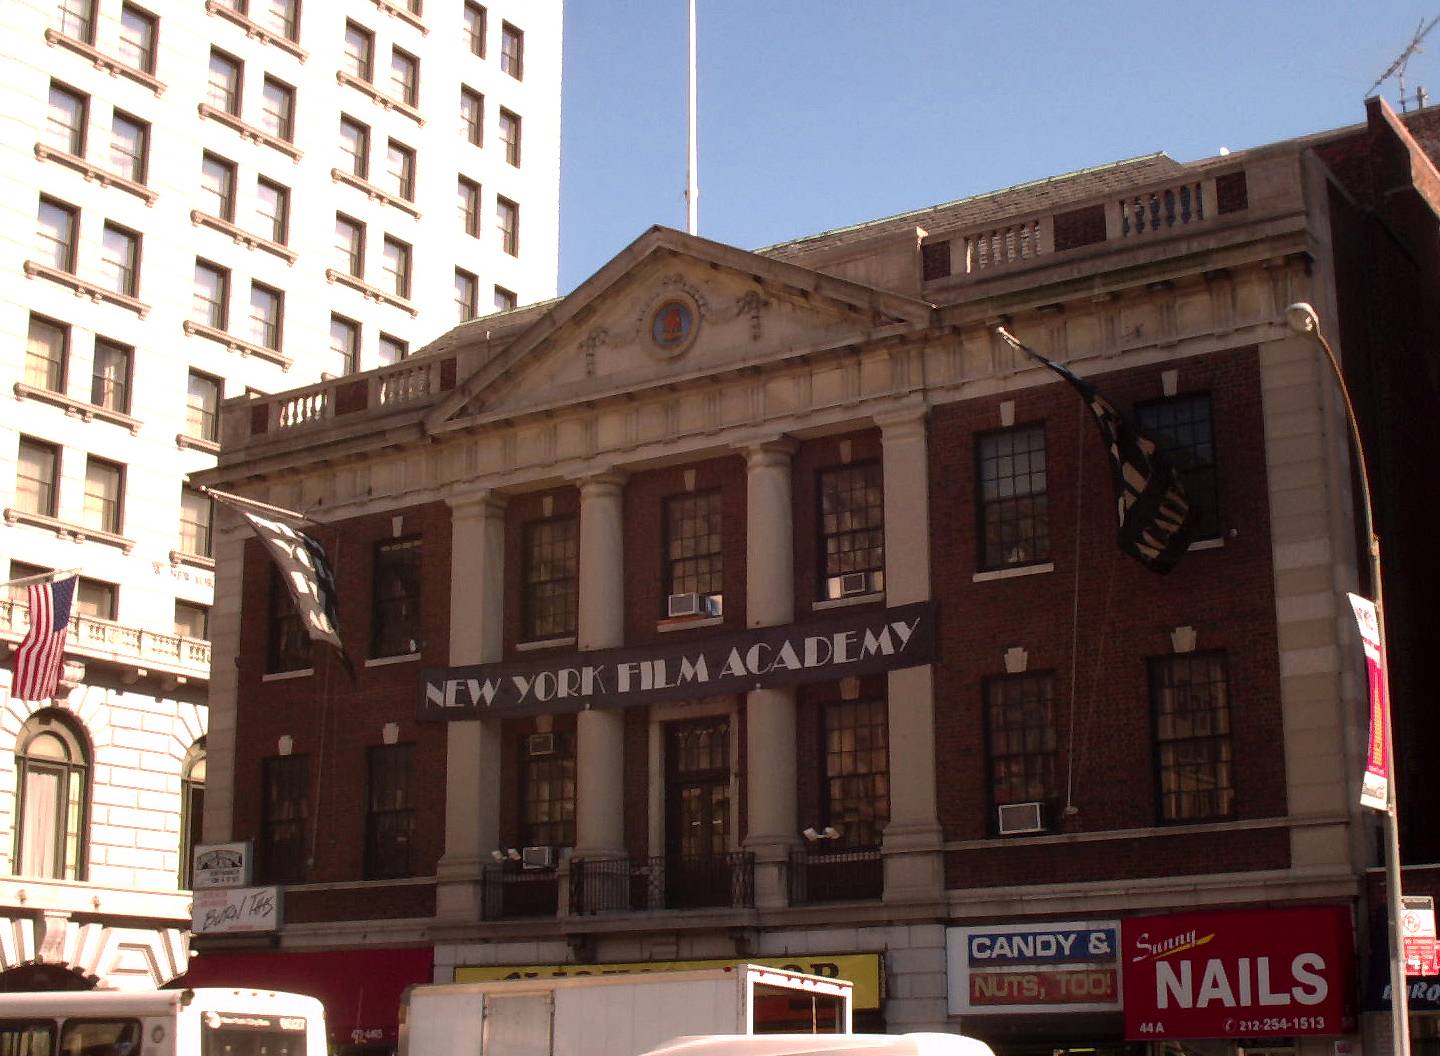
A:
1375, 786
1417, 935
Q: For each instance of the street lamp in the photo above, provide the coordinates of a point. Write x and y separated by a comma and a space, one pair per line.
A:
1303, 320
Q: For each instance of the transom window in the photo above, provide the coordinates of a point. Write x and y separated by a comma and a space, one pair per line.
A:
202, 407
1014, 506
1182, 428
52, 763
551, 583
110, 376
137, 37
1020, 727
512, 51
547, 790
36, 473
694, 545
395, 628
857, 770
55, 234
197, 514
390, 812
852, 530
285, 808
65, 119
104, 486
209, 301
47, 347
1190, 698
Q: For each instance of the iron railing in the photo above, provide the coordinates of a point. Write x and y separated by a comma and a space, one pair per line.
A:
838, 876
639, 884
519, 893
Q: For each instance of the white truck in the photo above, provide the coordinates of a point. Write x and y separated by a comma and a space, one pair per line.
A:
205, 1021
617, 1015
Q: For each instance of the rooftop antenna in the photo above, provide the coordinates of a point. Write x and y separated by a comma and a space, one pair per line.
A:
692, 184
1397, 68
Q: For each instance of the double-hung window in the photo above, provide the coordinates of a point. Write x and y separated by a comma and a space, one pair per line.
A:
392, 350
510, 135
129, 146
405, 77
468, 200
1014, 506
217, 186
223, 85
77, 19
266, 315
550, 569
547, 790
400, 169
65, 119
1020, 730
197, 514
475, 28
272, 208
277, 109
1190, 700
120, 260
505, 299
284, 811
110, 376
355, 146
202, 407
210, 301
472, 115
47, 347
852, 530
350, 245
512, 51
395, 602
857, 770
507, 216
287, 642
138, 30
694, 546
56, 234
395, 262
104, 487
390, 812
1183, 429
467, 295
344, 344
37, 473
359, 54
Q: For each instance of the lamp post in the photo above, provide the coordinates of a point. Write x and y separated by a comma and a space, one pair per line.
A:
1303, 320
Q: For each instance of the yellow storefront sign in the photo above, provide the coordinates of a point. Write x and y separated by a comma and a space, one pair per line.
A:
862, 969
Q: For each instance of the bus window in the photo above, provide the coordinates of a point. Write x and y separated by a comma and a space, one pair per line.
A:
26, 1038
100, 1037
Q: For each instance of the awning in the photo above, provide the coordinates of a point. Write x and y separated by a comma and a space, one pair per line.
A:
360, 989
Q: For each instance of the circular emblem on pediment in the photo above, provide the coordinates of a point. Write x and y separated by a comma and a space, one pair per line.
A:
674, 322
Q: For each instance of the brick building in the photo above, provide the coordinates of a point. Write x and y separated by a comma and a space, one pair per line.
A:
767, 605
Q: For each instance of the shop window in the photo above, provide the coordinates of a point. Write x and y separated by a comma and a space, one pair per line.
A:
857, 771
288, 647
285, 808
1020, 730
192, 809
390, 812
852, 530
52, 763
1183, 429
547, 790
1189, 696
694, 551
395, 604
551, 578
1014, 505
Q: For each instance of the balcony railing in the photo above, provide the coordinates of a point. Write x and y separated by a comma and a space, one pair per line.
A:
638, 885
92, 638
840, 876
509, 893
388, 388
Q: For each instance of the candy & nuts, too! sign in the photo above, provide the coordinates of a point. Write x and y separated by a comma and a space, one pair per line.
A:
1048, 967
1245, 974
817, 651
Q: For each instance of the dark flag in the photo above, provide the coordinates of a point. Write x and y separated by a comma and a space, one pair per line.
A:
305, 570
1156, 519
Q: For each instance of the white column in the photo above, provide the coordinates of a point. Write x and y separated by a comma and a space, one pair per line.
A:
472, 749
914, 866
770, 713
600, 754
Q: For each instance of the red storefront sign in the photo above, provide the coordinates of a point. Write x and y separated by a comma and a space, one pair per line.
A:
1041, 987
1246, 974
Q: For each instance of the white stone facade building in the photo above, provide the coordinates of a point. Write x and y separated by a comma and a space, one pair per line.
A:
201, 200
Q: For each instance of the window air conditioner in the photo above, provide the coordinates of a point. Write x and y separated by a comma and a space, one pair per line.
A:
540, 744
686, 605
854, 583
1021, 817
537, 857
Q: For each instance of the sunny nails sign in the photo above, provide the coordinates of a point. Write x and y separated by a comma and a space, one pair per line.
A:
1249, 974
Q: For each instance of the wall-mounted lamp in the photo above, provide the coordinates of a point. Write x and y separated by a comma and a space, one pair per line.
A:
512, 853
829, 832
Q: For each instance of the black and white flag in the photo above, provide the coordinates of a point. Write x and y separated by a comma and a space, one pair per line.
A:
1156, 519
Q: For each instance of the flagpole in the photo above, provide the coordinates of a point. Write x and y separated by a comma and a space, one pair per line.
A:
1303, 320
256, 504
692, 186
42, 577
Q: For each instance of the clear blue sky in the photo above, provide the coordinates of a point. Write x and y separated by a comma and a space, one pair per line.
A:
815, 114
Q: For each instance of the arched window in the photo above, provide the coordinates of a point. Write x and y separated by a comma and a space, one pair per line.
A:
192, 809
53, 778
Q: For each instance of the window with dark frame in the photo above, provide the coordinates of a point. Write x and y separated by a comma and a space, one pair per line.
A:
1183, 428
210, 300
344, 344
37, 472
472, 115
1014, 505
510, 136
217, 185
355, 145
395, 263
56, 235
197, 515
395, 628
192, 796
104, 495
507, 215
110, 375
47, 351
547, 790
283, 17
267, 308
287, 642
852, 530
512, 51
467, 295
392, 350
285, 808
129, 146
192, 620
856, 739
77, 20
272, 207
468, 194
1190, 701
65, 119
390, 811
52, 784
550, 569
358, 59
277, 109
475, 28
97, 600
350, 245
120, 260
694, 545
202, 407
400, 169
138, 30
505, 300
405, 76
223, 84
1020, 731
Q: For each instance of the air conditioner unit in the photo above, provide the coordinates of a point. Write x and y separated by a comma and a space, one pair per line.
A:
854, 583
686, 605
540, 744
537, 857
1021, 817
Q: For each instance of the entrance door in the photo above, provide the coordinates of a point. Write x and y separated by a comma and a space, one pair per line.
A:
697, 813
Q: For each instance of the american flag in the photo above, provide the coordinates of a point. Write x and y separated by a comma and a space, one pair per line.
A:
40, 657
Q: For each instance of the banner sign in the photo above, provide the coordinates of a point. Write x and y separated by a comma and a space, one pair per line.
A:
222, 864
860, 643
1242, 974
227, 910
862, 969
1375, 787
1417, 935
1034, 967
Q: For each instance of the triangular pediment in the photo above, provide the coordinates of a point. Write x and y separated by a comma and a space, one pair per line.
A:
669, 308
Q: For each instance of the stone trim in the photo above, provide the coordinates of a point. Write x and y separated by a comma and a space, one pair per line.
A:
95, 174
78, 408
104, 62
